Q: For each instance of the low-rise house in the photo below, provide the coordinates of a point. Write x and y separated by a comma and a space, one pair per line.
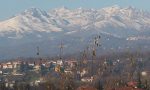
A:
16, 64
68, 71
1, 72
86, 88
4, 66
10, 66
59, 62
87, 79
31, 64
71, 63
84, 72
37, 67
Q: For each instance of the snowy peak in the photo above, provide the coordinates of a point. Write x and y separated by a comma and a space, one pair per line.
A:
128, 11
112, 9
34, 12
61, 10
118, 27
112, 20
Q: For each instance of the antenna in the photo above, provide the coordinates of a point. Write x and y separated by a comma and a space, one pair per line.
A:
96, 44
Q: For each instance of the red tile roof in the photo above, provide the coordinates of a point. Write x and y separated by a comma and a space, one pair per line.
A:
132, 84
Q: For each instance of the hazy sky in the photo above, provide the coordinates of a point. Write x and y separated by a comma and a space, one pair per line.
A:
9, 8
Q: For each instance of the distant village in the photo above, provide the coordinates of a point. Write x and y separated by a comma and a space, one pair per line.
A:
87, 72
121, 71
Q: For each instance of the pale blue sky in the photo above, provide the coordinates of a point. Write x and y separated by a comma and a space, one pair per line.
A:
9, 8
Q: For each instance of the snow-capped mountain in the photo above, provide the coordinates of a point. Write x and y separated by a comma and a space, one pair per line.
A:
119, 28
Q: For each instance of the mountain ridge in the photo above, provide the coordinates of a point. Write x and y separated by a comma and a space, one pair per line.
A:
34, 27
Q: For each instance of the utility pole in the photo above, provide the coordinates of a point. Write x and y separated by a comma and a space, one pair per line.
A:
38, 51
61, 50
84, 57
38, 55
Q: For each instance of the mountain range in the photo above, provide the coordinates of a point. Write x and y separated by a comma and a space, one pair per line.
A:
120, 29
